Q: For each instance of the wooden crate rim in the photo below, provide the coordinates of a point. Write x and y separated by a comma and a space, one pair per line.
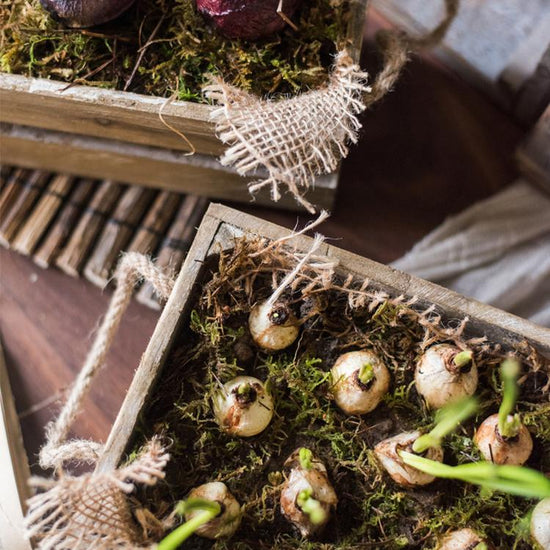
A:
210, 233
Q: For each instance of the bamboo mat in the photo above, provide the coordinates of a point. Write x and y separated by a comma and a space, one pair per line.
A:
82, 226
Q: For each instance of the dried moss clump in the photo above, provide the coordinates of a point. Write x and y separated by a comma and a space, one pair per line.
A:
164, 47
340, 315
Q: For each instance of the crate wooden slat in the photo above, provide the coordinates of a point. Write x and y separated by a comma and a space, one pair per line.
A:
219, 227
94, 132
14, 470
142, 165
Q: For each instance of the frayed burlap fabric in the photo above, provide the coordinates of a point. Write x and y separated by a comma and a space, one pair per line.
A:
92, 511
294, 139
297, 139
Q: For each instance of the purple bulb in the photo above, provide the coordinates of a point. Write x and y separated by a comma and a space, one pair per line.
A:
249, 19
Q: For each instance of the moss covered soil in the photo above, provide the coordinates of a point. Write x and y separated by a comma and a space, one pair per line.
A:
165, 48
373, 512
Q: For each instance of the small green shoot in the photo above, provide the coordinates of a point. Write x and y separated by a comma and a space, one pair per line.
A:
463, 359
366, 373
509, 372
207, 509
481, 546
516, 480
311, 507
306, 457
448, 418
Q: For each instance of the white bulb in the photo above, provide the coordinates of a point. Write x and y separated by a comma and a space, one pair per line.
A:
273, 327
540, 524
227, 522
243, 406
500, 450
315, 479
463, 539
353, 395
439, 380
387, 452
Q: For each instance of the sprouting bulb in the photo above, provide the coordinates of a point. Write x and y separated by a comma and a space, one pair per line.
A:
227, 522
387, 452
243, 406
445, 374
307, 498
360, 380
273, 326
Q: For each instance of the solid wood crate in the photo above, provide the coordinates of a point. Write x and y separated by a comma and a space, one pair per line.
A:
109, 134
219, 228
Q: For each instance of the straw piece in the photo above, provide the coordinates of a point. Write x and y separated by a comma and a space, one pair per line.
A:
176, 244
44, 212
68, 217
22, 205
76, 251
155, 223
116, 234
12, 186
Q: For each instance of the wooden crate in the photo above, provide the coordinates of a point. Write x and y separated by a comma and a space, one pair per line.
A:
220, 226
14, 470
108, 134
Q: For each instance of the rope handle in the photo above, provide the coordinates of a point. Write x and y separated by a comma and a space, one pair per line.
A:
132, 268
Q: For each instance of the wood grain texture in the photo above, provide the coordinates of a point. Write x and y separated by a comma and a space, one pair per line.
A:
116, 234
142, 165
14, 471
44, 212
89, 226
31, 190
66, 220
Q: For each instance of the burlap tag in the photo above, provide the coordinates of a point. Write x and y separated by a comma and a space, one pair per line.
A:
295, 139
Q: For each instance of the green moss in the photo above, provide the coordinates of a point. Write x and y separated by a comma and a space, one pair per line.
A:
181, 56
372, 509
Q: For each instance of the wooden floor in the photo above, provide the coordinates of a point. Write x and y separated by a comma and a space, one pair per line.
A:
431, 148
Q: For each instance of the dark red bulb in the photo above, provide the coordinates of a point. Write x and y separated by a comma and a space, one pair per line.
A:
249, 19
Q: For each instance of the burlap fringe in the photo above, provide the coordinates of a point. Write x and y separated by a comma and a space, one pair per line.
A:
294, 139
92, 511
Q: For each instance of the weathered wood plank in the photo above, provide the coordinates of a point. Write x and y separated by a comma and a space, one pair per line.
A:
108, 114
141, 165
14, 471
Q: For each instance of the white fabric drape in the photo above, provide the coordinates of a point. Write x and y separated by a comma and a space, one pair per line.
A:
497, 251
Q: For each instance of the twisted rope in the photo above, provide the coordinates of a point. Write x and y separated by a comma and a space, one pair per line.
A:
132, 268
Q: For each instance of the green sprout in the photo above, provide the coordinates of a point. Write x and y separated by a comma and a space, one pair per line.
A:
311, 507
516, 480
306, 457
447, 419
366, 373
207, 509
509, 372
481, 546
463, 358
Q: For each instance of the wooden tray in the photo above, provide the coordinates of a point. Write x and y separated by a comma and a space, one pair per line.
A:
219, 227
90, 131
